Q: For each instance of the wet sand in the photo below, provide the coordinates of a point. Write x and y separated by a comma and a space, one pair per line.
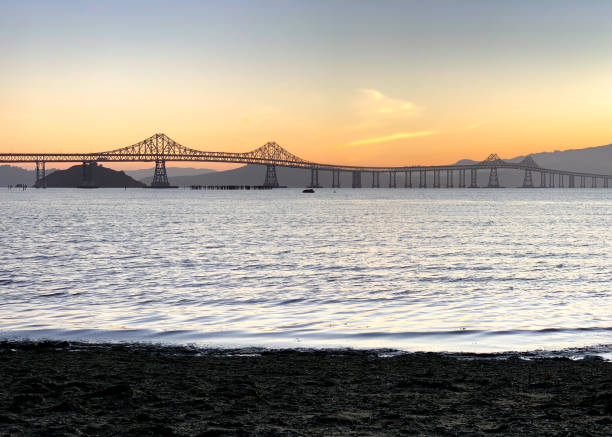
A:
61, 389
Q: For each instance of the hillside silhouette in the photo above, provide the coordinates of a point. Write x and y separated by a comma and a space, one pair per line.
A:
102, 177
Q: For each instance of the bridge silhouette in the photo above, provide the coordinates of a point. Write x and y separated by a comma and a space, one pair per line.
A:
160, 149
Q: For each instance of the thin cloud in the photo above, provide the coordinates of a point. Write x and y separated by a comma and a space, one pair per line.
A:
398, 136
475, 125
373, 94
375, 103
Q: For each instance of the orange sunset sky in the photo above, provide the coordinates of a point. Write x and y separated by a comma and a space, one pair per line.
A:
347, 82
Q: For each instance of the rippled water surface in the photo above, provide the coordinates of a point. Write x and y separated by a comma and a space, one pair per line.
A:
439, 270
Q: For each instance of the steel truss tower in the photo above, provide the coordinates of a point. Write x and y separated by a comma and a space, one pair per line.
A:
271, 179
160, 177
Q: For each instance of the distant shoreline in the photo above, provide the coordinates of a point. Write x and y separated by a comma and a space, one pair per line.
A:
100, 389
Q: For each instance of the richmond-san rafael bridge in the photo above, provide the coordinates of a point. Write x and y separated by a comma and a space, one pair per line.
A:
161, 149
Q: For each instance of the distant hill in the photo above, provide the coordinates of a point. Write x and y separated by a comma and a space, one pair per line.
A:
102, 177
12, 175
146, 175
589, 160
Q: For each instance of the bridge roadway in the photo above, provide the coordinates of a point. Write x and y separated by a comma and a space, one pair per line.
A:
159, 149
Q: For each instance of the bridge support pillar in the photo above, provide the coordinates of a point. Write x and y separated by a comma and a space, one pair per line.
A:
356, 179
41, 181
160, 177
407, 179
542, 179
572, 183
392, 179
335, 178
462, 178
449, 179
375, 179
473, 178
605, 182
422, 179
582, 182
271, 180
560, 180
551, 180
314, 178
593, 182
88, 180
436, 181
493, 178
527, 180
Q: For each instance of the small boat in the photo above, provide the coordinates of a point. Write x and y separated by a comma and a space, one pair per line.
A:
308, 190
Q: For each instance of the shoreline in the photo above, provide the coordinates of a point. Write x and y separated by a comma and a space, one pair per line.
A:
61, 388
100, 338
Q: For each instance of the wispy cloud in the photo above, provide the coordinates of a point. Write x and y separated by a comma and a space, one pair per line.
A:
474, 125
393, 137
375, 103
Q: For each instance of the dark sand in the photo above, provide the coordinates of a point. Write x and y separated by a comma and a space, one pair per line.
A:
60, 389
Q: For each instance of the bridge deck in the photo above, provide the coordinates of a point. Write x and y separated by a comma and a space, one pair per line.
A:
161, 148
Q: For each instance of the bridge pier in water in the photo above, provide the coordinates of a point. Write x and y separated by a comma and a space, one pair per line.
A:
375, 179
473, 178
493, 178
408, 179
528, 180
392, 179
356, 179
314, 178
271, 180
551, 180
542, 179
422, 179
605, 182
449, 179
572, 183
41, 182
582, 182
436, 179
335, 178
462, 178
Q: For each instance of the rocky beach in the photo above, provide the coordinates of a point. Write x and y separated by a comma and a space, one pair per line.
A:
59, 388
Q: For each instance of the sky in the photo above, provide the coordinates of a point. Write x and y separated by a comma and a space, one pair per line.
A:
343, 82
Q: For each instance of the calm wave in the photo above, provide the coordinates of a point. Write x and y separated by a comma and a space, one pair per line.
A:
438, 270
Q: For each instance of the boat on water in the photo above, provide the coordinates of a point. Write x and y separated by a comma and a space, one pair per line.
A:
308, 190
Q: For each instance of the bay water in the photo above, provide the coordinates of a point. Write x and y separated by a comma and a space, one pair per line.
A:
472, 270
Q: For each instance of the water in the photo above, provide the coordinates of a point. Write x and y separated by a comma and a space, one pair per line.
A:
435, 270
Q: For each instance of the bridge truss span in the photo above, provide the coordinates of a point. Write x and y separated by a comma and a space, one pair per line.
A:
159, 148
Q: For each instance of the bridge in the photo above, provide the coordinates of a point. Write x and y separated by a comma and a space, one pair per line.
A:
160, 149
